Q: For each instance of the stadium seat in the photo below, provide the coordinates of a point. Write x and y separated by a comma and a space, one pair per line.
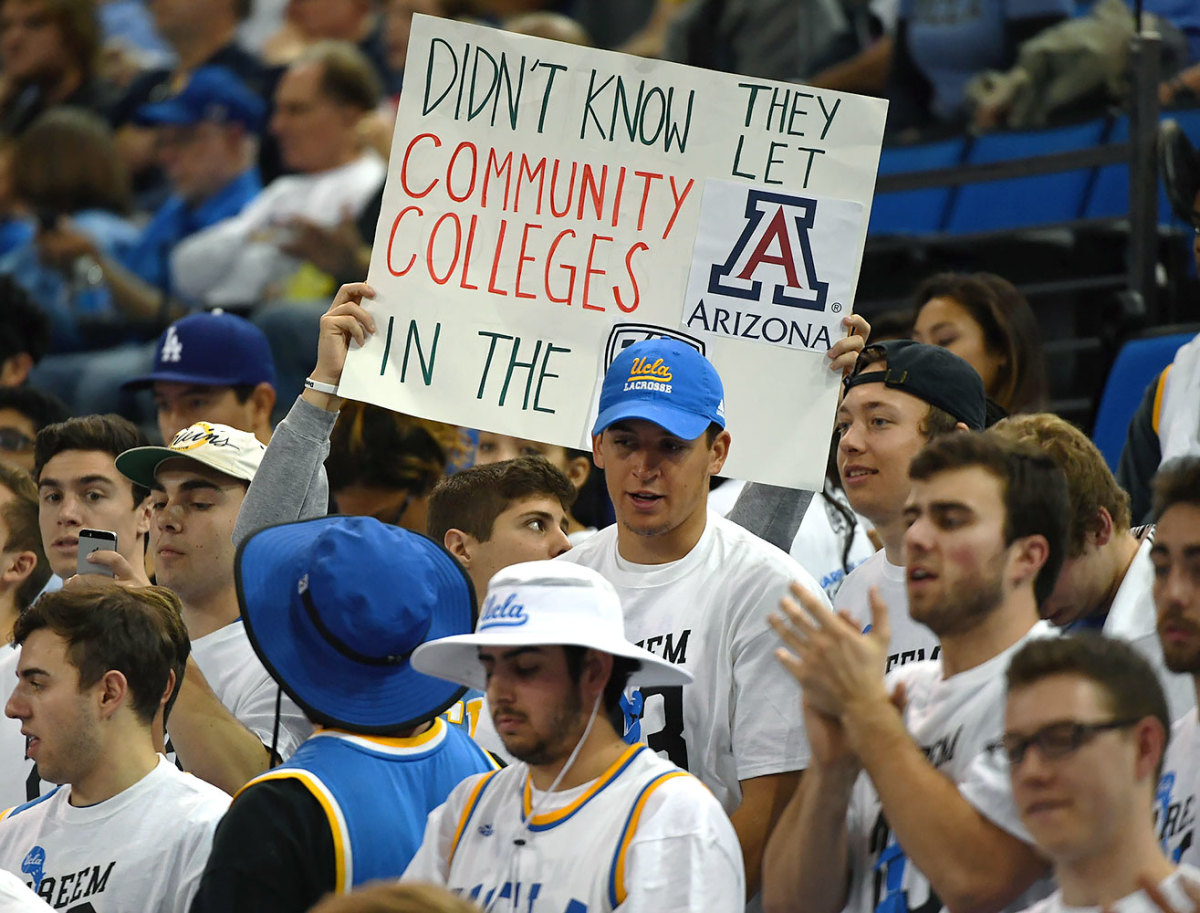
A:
915, 211
1025, 202
1137, 364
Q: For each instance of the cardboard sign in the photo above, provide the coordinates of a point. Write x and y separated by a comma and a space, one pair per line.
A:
547, 205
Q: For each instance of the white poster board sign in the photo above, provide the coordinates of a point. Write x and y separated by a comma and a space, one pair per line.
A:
547, 205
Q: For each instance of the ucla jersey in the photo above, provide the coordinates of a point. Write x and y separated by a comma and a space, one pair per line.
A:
377, 791
465, 713
571, 859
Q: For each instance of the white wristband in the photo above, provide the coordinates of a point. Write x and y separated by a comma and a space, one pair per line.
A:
311, 384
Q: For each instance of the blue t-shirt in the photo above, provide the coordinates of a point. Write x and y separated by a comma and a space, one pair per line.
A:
952, 40
175, 220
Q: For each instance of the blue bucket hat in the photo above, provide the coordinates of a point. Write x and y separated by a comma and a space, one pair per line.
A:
210, 348
213, 94
666, 382
334, 608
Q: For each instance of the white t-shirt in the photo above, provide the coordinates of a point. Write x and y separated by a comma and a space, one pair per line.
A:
707, 612
911, 640
15, 897
1137, 902
241, 682
953, 720
234, 261
1179, 791
680, 851
1134, 618
144, 849
817, 546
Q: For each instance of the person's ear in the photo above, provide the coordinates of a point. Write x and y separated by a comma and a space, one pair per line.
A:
20, 566
262, 401
1151, 741
1030, 553
597, 456
1105, 528
578, 470
718, 452
112, 690
143, 516
460, 545
597, 667
15, 369
961, 426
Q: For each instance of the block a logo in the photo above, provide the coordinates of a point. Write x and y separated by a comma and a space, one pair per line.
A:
772, 266
775, 234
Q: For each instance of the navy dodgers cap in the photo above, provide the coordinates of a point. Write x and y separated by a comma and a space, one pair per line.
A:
931, 373
211, 348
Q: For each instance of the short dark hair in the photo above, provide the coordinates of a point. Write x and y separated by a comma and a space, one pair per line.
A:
374, 446
20, 515
1032, 485
138, 631
40, 407
472, 499
24, 327
1177, 482
936, 421
618, 680
109, 434
1131, 686
347, 76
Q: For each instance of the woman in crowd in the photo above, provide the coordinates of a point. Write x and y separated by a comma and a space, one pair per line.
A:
984, 319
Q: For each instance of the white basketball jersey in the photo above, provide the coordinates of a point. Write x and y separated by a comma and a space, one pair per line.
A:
641, 832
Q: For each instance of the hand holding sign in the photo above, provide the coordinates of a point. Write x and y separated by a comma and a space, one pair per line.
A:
345, 321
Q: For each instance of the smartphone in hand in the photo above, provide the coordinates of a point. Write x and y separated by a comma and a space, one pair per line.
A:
91, 540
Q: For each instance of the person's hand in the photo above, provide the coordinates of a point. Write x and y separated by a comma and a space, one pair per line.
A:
346, 321
124, 573
338, 250
1154, 892
827, 739
843, 354
59, 247
837, 666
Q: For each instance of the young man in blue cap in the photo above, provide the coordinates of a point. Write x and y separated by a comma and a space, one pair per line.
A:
350, 805
695, 588
586, 821
212, 367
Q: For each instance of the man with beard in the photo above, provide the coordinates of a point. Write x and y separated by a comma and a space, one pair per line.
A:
985, 540
1176, 557
586, 822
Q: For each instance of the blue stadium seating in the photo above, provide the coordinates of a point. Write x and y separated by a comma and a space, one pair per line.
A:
1137, 364
915, 211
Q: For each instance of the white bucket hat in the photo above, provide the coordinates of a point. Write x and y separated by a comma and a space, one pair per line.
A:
542, 603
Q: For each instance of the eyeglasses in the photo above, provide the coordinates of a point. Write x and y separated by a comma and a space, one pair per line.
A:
1056, 740
14, 441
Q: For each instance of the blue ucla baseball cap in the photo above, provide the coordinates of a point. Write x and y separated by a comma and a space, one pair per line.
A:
210, 348
334, 607
664, 381
214, 95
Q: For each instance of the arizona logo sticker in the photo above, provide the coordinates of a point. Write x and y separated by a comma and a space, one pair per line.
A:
772, 267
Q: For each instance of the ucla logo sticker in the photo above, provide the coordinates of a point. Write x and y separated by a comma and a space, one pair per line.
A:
497, 614
772, 266
34, 865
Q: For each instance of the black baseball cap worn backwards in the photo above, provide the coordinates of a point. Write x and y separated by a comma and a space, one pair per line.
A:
930, 373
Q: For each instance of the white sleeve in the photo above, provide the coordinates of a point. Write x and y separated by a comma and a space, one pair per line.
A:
201, 262
988, 789
685, 857
256, 711
768, 732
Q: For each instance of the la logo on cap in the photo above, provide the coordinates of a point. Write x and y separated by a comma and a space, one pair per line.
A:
508, 613
172, 348
649, 375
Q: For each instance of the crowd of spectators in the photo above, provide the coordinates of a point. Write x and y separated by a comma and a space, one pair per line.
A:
184, 188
